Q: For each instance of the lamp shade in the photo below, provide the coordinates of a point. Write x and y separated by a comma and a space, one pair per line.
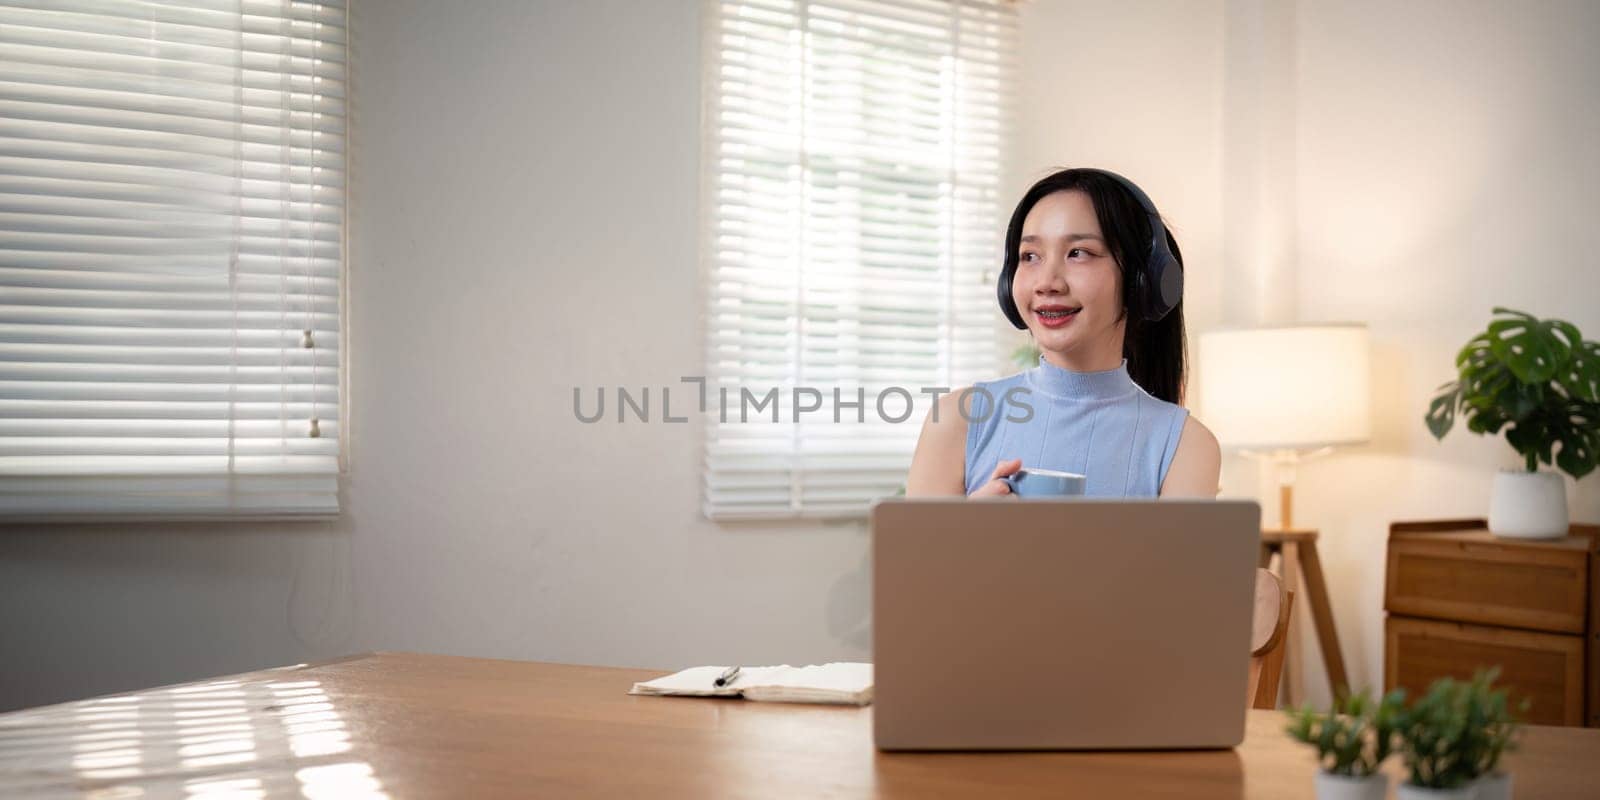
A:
1286, 388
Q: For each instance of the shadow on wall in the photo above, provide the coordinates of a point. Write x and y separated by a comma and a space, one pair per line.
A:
850, 600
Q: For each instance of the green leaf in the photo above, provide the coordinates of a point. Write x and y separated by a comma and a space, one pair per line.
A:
1580, 443
1566, 332
1530, 347
1486, 420
1442, 409
1525, 398
1581, 376
1484, 386
1476, 353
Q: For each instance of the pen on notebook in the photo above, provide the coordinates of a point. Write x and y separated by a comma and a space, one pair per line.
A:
727, 677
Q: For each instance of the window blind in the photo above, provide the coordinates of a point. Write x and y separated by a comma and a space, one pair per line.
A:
171, 244
854, 232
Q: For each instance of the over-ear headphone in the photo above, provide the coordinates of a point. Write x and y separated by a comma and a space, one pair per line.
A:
1160, 278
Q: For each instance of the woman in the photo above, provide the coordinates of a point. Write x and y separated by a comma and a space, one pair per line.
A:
1104, 400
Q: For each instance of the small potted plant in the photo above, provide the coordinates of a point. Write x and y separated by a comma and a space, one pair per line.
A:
1493, 725
1437, 745
1540, 382
1352, 739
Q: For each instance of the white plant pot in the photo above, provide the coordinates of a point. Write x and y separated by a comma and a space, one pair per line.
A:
1494, 787
1343, 787
1408, 792
1528, 505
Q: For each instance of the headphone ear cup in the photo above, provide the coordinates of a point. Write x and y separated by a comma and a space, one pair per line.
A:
1165, 286
1140, 280
1008, 306
1171, 285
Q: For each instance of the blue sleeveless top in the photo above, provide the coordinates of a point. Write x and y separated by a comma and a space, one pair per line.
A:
1098, 424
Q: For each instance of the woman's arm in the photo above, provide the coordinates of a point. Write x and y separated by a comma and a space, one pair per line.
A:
1196, 467
939, 465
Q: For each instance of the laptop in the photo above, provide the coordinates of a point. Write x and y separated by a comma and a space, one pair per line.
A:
1061, 623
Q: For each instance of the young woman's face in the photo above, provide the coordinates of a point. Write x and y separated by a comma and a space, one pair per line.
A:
1067, 286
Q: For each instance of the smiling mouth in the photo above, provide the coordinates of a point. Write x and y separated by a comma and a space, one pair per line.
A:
1056, 312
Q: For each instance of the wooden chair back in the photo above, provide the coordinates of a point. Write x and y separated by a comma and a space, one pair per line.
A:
1269, 626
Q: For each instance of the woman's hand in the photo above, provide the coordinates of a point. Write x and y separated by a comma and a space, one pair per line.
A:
996, 487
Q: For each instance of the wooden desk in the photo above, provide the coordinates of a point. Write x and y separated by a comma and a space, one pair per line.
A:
405, 726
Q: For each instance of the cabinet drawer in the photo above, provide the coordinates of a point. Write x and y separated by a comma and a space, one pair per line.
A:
1546, 668
1538, 588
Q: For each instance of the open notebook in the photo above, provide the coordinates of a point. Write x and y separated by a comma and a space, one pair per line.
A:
840, 682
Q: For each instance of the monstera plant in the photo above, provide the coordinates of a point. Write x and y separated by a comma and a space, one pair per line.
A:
1538, 381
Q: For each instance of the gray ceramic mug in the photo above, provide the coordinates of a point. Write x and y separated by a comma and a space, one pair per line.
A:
1044, 483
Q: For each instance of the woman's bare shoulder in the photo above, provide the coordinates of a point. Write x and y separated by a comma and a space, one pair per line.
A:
948, 410
940, 462
1196, 468
946, 422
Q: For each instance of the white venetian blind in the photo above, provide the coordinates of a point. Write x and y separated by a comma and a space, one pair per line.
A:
854, 233
171, 236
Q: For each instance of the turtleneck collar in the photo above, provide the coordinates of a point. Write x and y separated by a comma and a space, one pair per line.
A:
1111, 384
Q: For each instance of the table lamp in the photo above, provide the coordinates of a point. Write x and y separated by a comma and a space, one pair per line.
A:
1286, 394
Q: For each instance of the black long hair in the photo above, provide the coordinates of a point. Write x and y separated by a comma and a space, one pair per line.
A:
1155, 350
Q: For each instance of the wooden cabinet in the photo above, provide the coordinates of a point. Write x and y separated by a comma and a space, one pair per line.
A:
1459, 598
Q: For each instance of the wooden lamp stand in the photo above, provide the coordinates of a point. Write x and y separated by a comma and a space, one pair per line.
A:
1297, 551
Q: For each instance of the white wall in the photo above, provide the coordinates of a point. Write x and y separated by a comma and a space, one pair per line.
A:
1136, 88
524, 222
1447, 161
